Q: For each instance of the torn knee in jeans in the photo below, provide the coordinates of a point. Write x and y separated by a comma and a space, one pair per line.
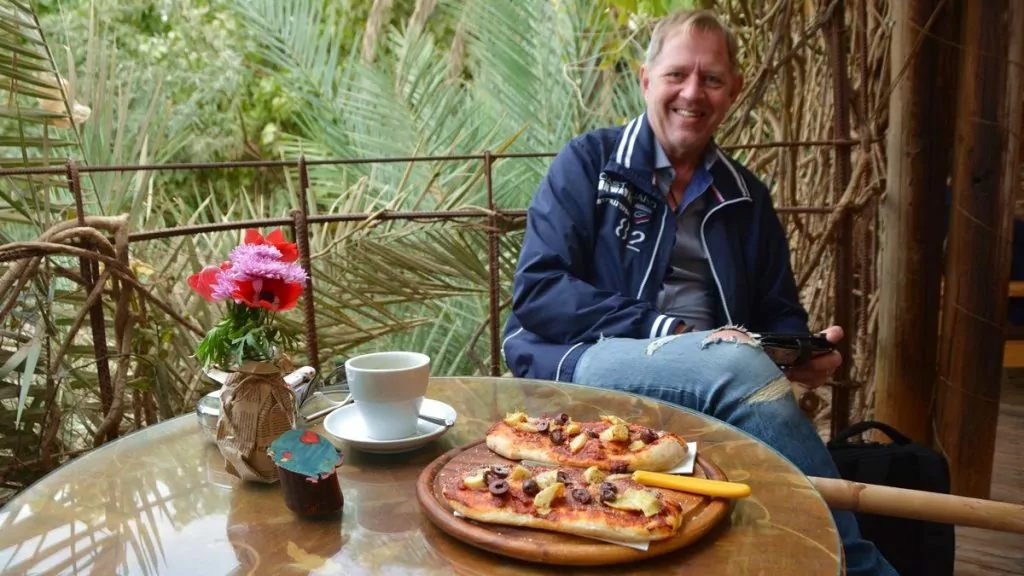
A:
731, 334
771, 391
739, 336
658, 343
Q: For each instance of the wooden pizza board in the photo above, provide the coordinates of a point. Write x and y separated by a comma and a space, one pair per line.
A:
701, 515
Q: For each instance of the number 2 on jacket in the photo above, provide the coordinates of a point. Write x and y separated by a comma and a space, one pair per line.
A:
634, 237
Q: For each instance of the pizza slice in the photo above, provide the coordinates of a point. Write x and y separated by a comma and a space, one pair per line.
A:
611, 444
566, 500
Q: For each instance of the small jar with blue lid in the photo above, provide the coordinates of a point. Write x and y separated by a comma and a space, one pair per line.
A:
307, 466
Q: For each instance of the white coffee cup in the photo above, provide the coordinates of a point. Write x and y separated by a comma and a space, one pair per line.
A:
388, 389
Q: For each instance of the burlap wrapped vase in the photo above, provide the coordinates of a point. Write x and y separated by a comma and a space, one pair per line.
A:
257, 406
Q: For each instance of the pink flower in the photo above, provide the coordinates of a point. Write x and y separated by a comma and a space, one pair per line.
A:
253, 261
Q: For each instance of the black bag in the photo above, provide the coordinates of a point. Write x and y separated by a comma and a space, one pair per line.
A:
912, 547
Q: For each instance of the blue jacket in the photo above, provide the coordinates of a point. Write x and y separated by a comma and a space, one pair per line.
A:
597, 245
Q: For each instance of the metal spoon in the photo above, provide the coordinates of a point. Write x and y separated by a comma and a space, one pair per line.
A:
446, 422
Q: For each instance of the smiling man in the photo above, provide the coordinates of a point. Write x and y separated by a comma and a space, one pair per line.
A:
649, 253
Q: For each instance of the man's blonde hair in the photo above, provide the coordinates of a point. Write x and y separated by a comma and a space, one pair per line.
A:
703, 20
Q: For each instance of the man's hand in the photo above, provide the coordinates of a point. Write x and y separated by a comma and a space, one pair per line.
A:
682, 328
817, 370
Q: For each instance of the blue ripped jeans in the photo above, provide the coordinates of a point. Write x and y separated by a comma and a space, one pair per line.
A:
720, 379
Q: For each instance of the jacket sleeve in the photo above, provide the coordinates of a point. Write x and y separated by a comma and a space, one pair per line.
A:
551, 296
779, 308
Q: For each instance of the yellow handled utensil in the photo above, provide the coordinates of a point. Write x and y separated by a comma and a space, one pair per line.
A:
702, 486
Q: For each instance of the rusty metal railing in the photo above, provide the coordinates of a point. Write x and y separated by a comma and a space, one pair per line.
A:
300, 220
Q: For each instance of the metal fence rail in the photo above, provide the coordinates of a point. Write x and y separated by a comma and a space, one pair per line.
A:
300, 221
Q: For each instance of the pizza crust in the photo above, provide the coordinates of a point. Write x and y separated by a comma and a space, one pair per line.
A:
667, 453
503, 444
625, 518
662, 456
650, 532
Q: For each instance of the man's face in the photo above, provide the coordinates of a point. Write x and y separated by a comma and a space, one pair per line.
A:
689, 89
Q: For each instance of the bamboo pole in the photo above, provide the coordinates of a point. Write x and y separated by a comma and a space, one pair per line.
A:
911, 214
920, 505
979, 247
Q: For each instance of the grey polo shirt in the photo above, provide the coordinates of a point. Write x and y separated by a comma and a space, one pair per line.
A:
688, 292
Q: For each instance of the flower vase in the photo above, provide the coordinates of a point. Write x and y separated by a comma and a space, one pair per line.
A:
257, 406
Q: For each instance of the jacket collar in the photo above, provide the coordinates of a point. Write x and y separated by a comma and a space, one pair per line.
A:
633, 155
661, 160
634, 158
727, 180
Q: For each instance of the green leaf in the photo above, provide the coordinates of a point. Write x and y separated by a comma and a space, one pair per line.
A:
29, 373
29, 114
28, 34
626, 5
11, 141
20, 72
16, 359
25, 89
22, 50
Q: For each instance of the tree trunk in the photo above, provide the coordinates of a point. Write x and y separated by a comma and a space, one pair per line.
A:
912, 214
980, 242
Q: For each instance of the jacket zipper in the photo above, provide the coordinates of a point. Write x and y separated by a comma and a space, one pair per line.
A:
654, 256
711, 263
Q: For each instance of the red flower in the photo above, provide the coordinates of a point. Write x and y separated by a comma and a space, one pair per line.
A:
205, 280
269, 293
289, 253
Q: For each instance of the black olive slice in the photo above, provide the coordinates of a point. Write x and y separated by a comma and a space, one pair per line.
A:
498, 487
557, 436
648, 436
581, 495
530, 487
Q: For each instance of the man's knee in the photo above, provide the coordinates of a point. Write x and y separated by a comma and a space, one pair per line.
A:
733, 334
755, 374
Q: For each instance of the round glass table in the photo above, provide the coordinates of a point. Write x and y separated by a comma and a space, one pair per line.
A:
159, 502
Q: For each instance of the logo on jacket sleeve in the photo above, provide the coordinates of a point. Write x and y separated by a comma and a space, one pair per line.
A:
634, 209
615, 194
642, 214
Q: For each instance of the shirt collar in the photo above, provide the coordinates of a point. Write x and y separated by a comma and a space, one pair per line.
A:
661, 160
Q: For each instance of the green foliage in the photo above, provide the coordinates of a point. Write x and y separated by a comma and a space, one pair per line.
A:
243, 334
197, 51
216, 80
515, 76
206, 80
657, 8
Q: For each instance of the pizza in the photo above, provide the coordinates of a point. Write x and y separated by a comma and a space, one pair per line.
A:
611, 444
585, 502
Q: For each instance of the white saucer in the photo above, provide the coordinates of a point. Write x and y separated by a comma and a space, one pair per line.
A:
346, 424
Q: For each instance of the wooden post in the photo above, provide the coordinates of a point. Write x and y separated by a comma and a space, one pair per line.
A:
979, 245
912, 212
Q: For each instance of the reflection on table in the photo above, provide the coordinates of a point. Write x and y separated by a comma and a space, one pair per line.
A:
159, 502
